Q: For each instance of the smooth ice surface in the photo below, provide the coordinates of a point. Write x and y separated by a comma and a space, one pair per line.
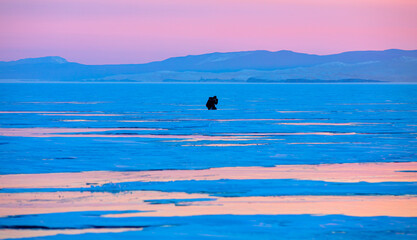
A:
123, 161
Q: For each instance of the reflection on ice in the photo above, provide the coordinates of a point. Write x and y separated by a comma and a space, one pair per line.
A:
385, 103
72, 102
362, 206
52, 132
36, 112
76, 120
210, 120
299, 112
297, 133
30, 233
82, 114
224, 145
322, 143
60, 202
346, 172
325, 124
141, 121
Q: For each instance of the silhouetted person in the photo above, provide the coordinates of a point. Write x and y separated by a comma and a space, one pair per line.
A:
211, 102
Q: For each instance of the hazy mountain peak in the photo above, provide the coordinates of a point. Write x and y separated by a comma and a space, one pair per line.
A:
48, 59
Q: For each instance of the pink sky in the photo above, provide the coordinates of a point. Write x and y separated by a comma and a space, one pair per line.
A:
137, 31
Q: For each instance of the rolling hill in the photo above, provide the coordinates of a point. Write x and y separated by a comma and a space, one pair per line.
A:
251, 66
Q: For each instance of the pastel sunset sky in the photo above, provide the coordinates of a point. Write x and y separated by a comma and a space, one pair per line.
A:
137, 31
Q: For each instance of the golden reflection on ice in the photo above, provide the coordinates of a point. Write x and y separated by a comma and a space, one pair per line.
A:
346, 172
328, 124
360, 206
224, 145
72, 102
36, 112
319, 124
29, 233
252, 119
52, 132
59, 132
87, 133
76, 120
298, 112
297, 133
141, 121
210, 120
82, 114
60, 202
320, 143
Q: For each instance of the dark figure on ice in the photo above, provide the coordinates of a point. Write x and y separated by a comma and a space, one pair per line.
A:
211, 102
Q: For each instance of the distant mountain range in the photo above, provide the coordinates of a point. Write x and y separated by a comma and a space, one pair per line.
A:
251, 66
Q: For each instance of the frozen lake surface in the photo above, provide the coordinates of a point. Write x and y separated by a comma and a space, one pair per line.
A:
129, 161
